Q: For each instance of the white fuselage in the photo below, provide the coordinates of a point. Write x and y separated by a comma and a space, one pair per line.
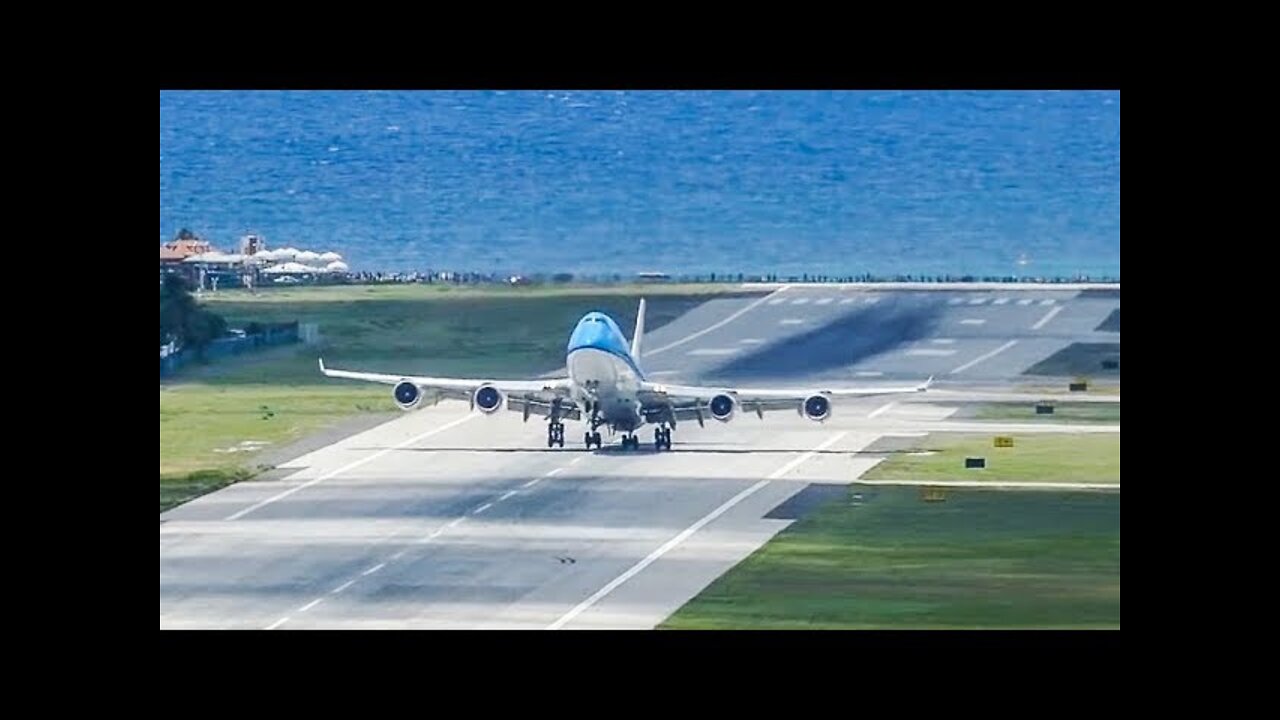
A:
603, 380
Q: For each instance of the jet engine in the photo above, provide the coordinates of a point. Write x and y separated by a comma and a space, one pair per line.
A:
407, 395
816, 407
488, 398
722, 407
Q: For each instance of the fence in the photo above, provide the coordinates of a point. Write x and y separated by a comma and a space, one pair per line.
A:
171, 360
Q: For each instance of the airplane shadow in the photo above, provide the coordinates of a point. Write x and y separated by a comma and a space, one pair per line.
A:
676, 449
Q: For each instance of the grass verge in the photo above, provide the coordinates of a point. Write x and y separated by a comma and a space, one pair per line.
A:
883, 559
1106, 413
1047, 457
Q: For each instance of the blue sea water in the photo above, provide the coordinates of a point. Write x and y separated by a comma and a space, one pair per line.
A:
983, 183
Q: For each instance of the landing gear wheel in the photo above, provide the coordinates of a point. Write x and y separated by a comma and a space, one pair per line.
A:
662, 438
555, 434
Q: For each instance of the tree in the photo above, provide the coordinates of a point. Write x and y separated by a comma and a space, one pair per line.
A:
182, 318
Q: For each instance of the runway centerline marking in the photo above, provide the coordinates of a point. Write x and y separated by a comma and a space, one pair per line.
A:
1047, 317
343, 586
506, 495
310, 605
881, 410
455, 521
576, 460
718, 325
531, 483
349, 466
985, 356
278, 623
482, 508
684, 535
555, 472
374, 569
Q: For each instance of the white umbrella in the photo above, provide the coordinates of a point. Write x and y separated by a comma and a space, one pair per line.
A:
288, 268
286, 253
336, 266
306, 256
330, 256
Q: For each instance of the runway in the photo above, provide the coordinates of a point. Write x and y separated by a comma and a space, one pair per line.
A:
445, 519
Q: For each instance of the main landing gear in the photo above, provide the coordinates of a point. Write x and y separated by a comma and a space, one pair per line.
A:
661, 439
555, 434
590, 438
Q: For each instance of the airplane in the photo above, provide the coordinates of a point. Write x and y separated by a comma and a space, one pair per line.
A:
606, 386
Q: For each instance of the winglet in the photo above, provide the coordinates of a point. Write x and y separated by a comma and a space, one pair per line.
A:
321, 365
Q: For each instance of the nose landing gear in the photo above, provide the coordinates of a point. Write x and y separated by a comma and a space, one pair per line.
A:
555, 434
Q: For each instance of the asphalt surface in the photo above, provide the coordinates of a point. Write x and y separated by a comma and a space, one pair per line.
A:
444, 519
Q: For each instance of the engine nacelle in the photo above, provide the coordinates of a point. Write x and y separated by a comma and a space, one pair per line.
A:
722, 407
816, 407
487, 398
407, 395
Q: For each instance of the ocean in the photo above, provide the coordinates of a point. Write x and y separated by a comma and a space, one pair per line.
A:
788, 182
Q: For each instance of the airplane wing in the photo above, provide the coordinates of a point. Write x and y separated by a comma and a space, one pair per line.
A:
537, 395
691, 401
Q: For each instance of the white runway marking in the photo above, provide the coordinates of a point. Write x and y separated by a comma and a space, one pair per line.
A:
973, 321
943, 341
977, 301
350, 466
1047, 301
343, 586
576, 460
660, 373
791, 321
399, 554
531, 483
713, 351
868, 373
986, 356
278, 623
454, 522
1047, 317
955, 301
374, 569
846, 301
506, 495
750, 341
482, 508
931, 352
778, 301
823, 301
310, 605
613, 585
800, 301
720, 324
880, 410
1000, 301
557, 471
873, 300
1025, 301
